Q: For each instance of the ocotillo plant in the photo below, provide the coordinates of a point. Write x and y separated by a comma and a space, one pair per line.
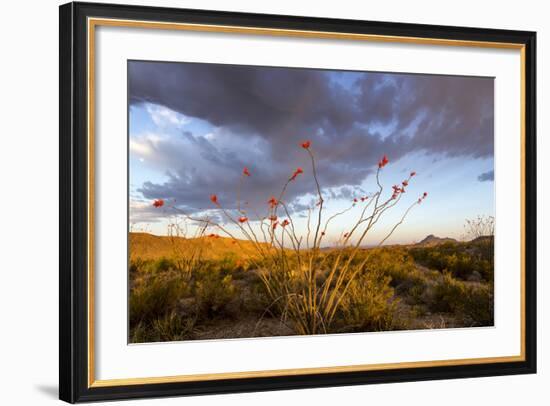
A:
307, 287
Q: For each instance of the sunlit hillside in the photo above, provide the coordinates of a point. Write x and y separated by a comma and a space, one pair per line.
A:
148, 246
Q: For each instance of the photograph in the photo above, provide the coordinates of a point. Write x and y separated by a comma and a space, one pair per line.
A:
278, 201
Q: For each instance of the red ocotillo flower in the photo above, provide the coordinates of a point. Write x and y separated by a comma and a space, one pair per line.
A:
346, 235
285, 223
158, 203
383, 162
425, 195
243, 219
322, 233
273, 218
246, 172
214, 199
355, 200
413, 173
419, 201
306, 144
296, 173
274, 226
405, 183
272, 202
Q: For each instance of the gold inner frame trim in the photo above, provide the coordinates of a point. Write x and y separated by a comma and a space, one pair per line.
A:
94, 22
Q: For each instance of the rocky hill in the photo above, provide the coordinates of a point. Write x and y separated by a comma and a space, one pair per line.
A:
432, 240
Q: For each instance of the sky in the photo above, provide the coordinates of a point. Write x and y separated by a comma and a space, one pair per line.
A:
193, 127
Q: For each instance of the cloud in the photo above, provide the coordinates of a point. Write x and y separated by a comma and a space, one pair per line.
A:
163, 116
258, 115
447, 114
487, 176
142, 211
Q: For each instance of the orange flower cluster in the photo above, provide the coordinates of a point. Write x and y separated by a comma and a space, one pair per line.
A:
296, 173
424, 195
383, 162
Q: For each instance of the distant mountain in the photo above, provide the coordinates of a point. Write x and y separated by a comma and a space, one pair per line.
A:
433, 240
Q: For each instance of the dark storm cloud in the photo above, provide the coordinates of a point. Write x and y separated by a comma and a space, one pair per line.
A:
487, 176
200, 169
350, 122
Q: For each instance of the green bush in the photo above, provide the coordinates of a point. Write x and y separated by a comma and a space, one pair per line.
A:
214, 291
460, 259
471, 303
369, 305
406, 279
477, 306
447, 294
154, 297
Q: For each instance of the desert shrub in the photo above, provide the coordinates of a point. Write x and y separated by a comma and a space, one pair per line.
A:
139, 267
155, 296
394, 262
164, 264
447, 294
417, 291
460, 259
170, 327
477, 307
214, 290
417, 311
486, 269
407, 280
255, 298
136, 267
369, 305
139, 333
472, 304
228, 263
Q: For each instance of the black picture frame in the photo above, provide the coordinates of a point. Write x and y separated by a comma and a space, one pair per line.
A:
73, 255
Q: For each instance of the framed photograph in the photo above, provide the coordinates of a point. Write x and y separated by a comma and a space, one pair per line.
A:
258, 202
